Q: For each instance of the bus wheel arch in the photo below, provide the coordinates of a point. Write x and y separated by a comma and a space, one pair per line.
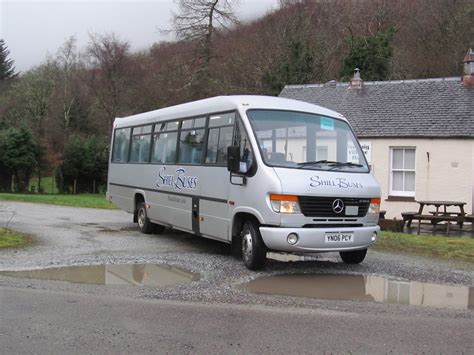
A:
140, 216
247, 241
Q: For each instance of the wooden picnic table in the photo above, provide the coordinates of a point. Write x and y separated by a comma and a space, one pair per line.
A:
440, 216
444, 204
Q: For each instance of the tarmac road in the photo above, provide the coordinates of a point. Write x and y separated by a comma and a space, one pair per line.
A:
211, 314
51, 322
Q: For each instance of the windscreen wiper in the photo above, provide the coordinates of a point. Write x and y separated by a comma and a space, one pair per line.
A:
332, 163
349, 163
316, 162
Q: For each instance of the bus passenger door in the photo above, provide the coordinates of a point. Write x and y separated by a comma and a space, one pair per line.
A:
214, 178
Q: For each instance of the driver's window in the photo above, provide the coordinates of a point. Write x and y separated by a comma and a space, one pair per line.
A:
246, 155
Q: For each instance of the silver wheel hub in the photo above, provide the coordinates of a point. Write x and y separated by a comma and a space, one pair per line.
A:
247, 245
141, 218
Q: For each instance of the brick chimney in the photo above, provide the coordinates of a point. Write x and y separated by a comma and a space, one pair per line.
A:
356, 81
468, 74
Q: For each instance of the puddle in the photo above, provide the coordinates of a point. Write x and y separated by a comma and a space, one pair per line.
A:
365, 288
131, 274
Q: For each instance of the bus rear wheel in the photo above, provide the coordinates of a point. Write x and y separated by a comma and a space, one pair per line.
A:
353, 257
144, 223
254, 252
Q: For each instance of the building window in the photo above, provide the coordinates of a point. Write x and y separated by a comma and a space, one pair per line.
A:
402, 171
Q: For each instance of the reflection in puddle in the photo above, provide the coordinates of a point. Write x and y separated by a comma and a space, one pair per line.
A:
131, 274
365, 288
290, 257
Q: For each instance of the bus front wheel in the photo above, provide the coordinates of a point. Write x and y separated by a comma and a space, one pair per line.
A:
253, 249
353, 257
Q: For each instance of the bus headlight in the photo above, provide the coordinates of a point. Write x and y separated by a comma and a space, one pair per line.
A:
374, 206
285, 203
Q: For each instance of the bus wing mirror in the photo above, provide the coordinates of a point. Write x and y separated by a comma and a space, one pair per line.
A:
233, 159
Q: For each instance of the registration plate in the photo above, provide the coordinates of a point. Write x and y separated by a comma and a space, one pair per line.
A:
338, 237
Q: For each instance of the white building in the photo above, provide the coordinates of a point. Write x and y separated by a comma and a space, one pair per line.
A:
418, 134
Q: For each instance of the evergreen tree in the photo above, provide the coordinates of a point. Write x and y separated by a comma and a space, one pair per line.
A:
296, 67
18, 155
7, 69
85, 160
371, 54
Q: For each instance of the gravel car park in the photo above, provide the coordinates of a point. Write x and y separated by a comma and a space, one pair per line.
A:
67, 236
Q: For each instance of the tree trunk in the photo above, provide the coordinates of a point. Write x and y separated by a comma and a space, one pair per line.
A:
39, 181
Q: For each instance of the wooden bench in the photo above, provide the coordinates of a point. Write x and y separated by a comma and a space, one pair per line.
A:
408, 217
460, 221
435, 219
445, 213
469, 218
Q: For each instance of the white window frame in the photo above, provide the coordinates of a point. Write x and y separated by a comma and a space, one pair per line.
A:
401, 192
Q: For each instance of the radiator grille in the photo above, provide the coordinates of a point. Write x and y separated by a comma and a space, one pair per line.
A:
315, 206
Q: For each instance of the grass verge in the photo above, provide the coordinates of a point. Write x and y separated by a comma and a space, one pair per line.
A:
10, 239
433, 246
82, 200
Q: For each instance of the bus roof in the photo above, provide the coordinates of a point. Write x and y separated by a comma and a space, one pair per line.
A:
221, 104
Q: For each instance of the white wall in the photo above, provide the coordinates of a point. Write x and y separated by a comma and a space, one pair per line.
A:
448, 175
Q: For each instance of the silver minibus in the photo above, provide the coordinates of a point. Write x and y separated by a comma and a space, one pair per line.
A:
260, 173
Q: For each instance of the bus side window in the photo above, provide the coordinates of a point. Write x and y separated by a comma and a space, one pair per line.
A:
218, 141
246, 155
121, 145
140, 145
164, 143
191, 143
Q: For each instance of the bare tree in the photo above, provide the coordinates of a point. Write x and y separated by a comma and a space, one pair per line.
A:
107, 75
198, 21
67, 64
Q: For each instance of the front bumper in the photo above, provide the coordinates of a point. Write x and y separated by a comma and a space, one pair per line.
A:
313, 239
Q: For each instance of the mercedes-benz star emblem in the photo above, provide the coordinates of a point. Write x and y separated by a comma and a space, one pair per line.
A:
338, 205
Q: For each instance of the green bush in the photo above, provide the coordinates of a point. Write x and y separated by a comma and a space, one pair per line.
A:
85, 161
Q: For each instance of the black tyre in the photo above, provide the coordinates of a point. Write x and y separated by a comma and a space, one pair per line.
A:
353, 257
254, 252
144, 223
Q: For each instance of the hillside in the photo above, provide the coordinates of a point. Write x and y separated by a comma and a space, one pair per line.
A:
75, 95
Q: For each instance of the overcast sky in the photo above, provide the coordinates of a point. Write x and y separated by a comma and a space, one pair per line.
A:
32, 29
